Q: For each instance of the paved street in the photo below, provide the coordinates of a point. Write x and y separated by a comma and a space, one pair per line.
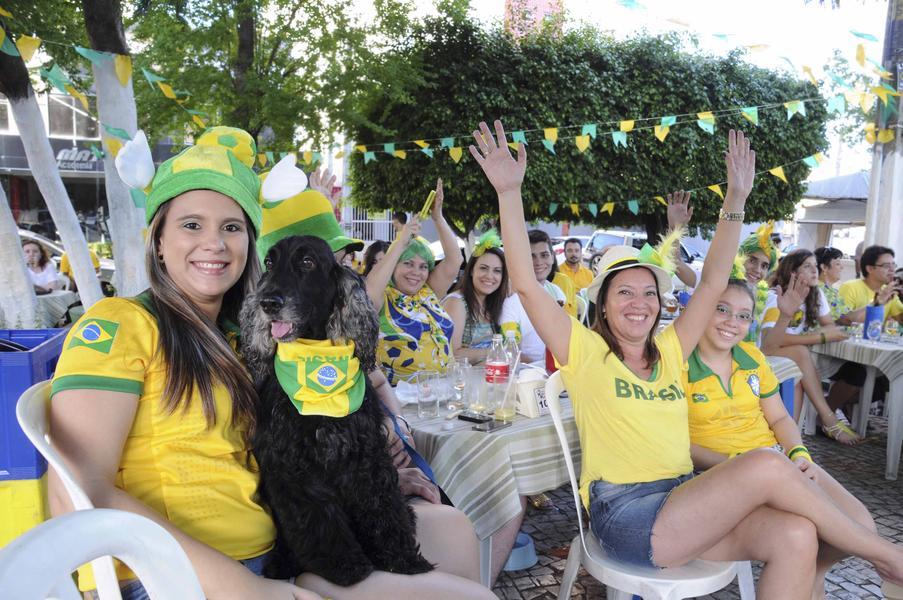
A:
860, 469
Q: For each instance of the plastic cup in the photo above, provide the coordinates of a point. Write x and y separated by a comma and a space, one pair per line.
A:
427, 395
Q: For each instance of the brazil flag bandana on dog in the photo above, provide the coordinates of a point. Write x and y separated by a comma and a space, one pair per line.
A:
320, 377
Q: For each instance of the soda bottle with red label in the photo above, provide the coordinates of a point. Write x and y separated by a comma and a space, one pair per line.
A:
496, 370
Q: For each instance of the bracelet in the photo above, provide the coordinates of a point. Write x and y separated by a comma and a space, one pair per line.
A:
800, 449
731, 216
406, 424
822, 336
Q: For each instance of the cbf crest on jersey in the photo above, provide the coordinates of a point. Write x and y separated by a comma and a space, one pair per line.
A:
753, 381
96, 334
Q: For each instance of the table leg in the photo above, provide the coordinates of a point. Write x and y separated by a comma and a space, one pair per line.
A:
486, 561
894, 428
861, 416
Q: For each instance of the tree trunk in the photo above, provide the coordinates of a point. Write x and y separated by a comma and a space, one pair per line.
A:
244, 62
116, 107
14, 84
18, 303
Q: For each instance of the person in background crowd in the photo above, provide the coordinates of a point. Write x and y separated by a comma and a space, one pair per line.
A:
857, 256
789, 334
476, 305
375, 253
876, 284
735, 407
777, 240
760, 259
573, 264
40, 268
407, 286
399, 220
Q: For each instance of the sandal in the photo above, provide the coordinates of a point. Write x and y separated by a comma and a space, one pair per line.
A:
841, 432
541, 502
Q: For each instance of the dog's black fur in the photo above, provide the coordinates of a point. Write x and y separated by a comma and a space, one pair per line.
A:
329, 482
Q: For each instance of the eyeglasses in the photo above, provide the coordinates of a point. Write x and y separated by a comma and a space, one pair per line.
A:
745, 317
887, 265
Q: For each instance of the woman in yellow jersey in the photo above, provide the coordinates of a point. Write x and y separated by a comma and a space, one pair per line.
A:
735, 407
626, 385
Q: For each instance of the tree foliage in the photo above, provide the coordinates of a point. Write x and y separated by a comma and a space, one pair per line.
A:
469, 74
288, 69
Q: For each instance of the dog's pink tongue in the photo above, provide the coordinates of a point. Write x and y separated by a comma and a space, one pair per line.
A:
280, 328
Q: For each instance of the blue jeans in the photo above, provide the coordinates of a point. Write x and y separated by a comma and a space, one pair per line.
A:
622, 515
133, 590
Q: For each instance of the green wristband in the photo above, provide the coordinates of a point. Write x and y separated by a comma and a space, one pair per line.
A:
797, 450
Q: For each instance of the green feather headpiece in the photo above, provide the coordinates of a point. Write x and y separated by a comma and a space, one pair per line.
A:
488, 240
663, 255
760, 241
738, 270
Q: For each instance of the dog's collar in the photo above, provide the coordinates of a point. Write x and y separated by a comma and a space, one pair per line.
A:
320, 377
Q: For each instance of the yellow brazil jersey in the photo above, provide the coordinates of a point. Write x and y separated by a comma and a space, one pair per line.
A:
581, 278
570, 292
857, 294
631, 430
195, 476
730, 420
65, 268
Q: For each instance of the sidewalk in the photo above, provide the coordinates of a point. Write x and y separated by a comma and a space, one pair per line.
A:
860, 469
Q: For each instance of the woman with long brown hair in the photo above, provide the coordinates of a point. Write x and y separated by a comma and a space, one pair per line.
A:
791, 335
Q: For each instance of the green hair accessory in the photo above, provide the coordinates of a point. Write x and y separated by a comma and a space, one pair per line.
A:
662, 255
760, 241
419, 247
738, 269
488, 240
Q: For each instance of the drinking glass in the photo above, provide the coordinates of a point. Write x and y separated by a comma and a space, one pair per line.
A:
476, 388
458, 376
427, 396
892, 330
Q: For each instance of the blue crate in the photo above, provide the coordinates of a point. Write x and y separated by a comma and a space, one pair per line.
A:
18, 372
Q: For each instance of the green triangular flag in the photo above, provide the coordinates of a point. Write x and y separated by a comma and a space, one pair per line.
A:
589, 129
427, 151
619, 138
57, 78
751, 113
553, 207
668, 121
8, 47
122, 134
97, 152
368, 156
447, 142
93, 55
633, 206
518, 136
550, 145
593, 208
810, 161
138, 197
270, 158
389, 149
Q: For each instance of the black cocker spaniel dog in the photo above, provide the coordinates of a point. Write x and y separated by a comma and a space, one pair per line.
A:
329, 482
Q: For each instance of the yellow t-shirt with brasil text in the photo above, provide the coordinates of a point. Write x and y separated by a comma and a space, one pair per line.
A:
194, 476
729, 420
857, 294
631, 430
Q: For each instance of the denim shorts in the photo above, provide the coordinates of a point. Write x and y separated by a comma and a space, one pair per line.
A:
621, 516
133, 590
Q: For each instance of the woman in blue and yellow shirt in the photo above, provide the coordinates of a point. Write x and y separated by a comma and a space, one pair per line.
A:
735, 407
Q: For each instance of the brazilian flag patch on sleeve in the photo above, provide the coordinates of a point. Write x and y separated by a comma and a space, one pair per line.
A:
97, 334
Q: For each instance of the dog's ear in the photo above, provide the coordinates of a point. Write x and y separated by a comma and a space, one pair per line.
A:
353, 317
257, 344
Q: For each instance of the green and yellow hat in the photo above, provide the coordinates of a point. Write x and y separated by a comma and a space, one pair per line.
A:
760, 241
220, 160
301, 213
419, 246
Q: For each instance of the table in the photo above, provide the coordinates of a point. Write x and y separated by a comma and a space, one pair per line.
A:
485, 474
50, 309
875, 356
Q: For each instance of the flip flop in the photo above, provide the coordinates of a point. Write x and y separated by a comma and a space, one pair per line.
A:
838, 429
892, 591
541, 502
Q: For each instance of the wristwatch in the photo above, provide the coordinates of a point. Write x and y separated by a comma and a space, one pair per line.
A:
731, 216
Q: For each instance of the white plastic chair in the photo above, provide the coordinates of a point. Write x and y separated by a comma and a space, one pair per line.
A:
582, 308
697, 578
31, 412
38, 564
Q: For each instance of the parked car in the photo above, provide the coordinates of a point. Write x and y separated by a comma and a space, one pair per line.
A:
602, 239
56, 251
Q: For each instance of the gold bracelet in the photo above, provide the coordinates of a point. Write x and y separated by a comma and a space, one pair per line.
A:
822, 335
731, 216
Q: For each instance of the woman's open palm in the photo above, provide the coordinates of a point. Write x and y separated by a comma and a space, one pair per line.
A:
501, 169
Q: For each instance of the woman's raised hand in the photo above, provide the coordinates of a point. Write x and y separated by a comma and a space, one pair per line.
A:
410, 230
741, 168
436, 210
504, 172
679, 210
790, 300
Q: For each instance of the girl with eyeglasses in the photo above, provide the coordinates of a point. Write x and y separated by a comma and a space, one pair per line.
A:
735, 406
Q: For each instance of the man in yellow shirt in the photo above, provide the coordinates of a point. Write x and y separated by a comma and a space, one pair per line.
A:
877, 264
573, 267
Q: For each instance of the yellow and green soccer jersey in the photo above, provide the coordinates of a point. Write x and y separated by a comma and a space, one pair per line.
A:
631, 430
857, 294
195, 476
729, 419
797, 324
566, 284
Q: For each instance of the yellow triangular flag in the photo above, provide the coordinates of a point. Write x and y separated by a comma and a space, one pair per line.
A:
852, 96
361, 148
455, 152
167, 90
819, 157
661, 200
261, 159
421, 143
77, 94
883, 74
199, 121
870, 136
885, 135
113, 145
401, 154
307, 156
551, 134
5, 13
860, 55
808, 71
661, 132
717, 189
123, 66
27, 46
627, 126
608, 207
779, 173
340, 154
883, 92
865, 101
707, 116
513, 145
582, 142
757, 47
575, 208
